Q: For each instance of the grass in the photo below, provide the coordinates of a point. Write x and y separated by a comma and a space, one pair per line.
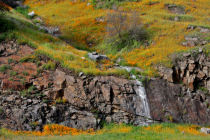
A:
28, 91
24, 11
113, 132
49, 66
13, 73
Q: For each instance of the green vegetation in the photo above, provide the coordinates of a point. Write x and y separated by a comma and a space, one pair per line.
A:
25, 73
1, 112
109, 3
13, 73
4, 68
10, 61
24, 11
49, 66
28, 91
128, 132
124, 33
60, 101
6, 25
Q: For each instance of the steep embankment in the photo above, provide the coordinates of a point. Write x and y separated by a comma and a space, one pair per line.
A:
166, 20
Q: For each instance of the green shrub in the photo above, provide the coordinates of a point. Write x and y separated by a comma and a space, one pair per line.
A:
10, 61
27, 91
108, 3
25, 73
13, 73
29, 58
6, 25
49, 66
24, 11
4, 68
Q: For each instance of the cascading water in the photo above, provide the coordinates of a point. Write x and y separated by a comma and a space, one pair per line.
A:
141, 92
145, 111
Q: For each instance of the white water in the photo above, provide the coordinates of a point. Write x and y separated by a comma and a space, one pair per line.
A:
141, 92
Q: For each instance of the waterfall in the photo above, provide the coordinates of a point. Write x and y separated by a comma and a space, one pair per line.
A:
141, 92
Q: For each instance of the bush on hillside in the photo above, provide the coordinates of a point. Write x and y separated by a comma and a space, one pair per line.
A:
124, 31
6, 24
108, 3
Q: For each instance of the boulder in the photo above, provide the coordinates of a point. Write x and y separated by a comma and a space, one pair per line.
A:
97, 57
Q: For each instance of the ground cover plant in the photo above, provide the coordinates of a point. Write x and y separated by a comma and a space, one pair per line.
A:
112, 132
108, 3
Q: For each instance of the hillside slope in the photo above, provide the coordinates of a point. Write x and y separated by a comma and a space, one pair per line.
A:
167, 20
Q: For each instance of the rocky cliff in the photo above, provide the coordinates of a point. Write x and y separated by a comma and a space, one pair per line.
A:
80, 101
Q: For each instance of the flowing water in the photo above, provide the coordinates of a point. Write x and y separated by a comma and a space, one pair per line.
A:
141, 92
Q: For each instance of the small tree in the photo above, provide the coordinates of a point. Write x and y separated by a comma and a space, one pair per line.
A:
116, 23
124, 29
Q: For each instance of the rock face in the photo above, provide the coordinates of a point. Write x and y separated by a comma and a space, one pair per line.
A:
113, 98
91, 100
191, 69
170, 102
31, 113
